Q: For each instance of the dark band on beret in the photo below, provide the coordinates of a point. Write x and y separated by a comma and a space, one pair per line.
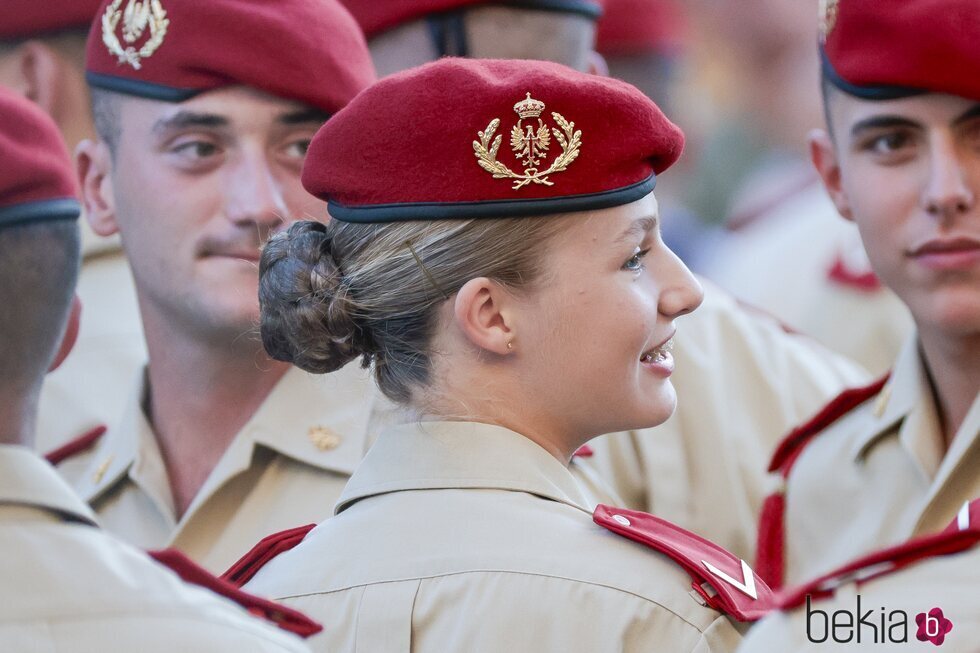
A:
139, 88
42, 211
587, 8
879, 93
516, 208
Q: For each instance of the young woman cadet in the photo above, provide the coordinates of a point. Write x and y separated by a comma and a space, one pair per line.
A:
494, 255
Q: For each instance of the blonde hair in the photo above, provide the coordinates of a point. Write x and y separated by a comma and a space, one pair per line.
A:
330, 293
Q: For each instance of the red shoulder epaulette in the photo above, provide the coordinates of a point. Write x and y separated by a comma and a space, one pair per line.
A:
865, 281
76, 446
714, 571
189, 571
770, 558
268, 548
962, 534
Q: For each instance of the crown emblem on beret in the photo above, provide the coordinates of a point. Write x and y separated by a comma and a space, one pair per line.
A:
137, 18
828, 17
530, 143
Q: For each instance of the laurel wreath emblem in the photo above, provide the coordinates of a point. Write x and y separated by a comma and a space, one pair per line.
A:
137, 17
531, 147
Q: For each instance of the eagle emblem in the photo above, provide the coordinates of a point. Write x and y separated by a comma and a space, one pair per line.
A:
530, 140
138, 18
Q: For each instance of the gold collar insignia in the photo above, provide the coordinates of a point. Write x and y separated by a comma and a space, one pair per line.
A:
530, 143
138, 17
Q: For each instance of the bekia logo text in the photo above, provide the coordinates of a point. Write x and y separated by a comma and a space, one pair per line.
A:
874, 625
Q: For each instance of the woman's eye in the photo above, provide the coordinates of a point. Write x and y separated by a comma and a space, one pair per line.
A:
635, 262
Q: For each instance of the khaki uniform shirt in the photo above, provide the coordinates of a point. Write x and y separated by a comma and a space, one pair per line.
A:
805, 264
878, 475
90, 387
457, 536
742, 383
67, 586
947, 582
285, 468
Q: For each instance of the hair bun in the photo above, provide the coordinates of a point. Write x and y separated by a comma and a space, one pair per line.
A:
306, 311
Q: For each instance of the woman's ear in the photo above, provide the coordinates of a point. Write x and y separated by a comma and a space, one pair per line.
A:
483, 312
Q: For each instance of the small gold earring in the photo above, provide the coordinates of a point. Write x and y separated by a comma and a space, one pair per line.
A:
510, 344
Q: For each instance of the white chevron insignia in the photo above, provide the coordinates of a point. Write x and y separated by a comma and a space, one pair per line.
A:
747, 587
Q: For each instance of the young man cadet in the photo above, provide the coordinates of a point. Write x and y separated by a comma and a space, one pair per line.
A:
901, 159
204, 113
66, 584
742, 381
42, 57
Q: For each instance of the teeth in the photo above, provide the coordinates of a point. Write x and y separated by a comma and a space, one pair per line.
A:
659, 354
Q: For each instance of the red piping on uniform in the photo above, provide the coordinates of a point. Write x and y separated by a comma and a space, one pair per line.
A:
268, 548
770, 561
76, 446
287, 619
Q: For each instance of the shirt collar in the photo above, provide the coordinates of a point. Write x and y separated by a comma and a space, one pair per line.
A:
906, 408
321, 420
446, 455
27, 480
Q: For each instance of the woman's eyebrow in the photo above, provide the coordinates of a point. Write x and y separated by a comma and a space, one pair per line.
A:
639, 227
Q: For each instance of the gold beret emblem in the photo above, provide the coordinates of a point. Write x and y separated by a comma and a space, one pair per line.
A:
138, 17
828, 17
530, 140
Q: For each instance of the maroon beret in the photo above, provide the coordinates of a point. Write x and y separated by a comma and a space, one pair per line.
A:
631, 27
171, 50
376, 16
882, 50
463, 138
28, 18
37, 182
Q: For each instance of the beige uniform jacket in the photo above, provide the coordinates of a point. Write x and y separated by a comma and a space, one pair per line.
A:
948, 582
67, 586
457, 536
91, 386
878, 475
286, 467
807, 266
742, 383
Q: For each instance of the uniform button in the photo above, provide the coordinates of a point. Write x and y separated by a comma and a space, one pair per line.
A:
323, 438
623, 521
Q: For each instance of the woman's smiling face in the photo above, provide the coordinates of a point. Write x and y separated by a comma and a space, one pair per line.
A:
596, 329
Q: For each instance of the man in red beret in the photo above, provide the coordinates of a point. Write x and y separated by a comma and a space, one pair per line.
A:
743, 381
66, 584
204, 112
407, 33
901, 160
42, 57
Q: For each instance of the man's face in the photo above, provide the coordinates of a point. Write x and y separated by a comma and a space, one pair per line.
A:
198, 188
907, 172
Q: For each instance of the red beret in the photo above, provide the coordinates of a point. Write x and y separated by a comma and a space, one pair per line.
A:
630, 27
37, 182
881, 50
171, 50
376, 16
28, 18
463, 138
